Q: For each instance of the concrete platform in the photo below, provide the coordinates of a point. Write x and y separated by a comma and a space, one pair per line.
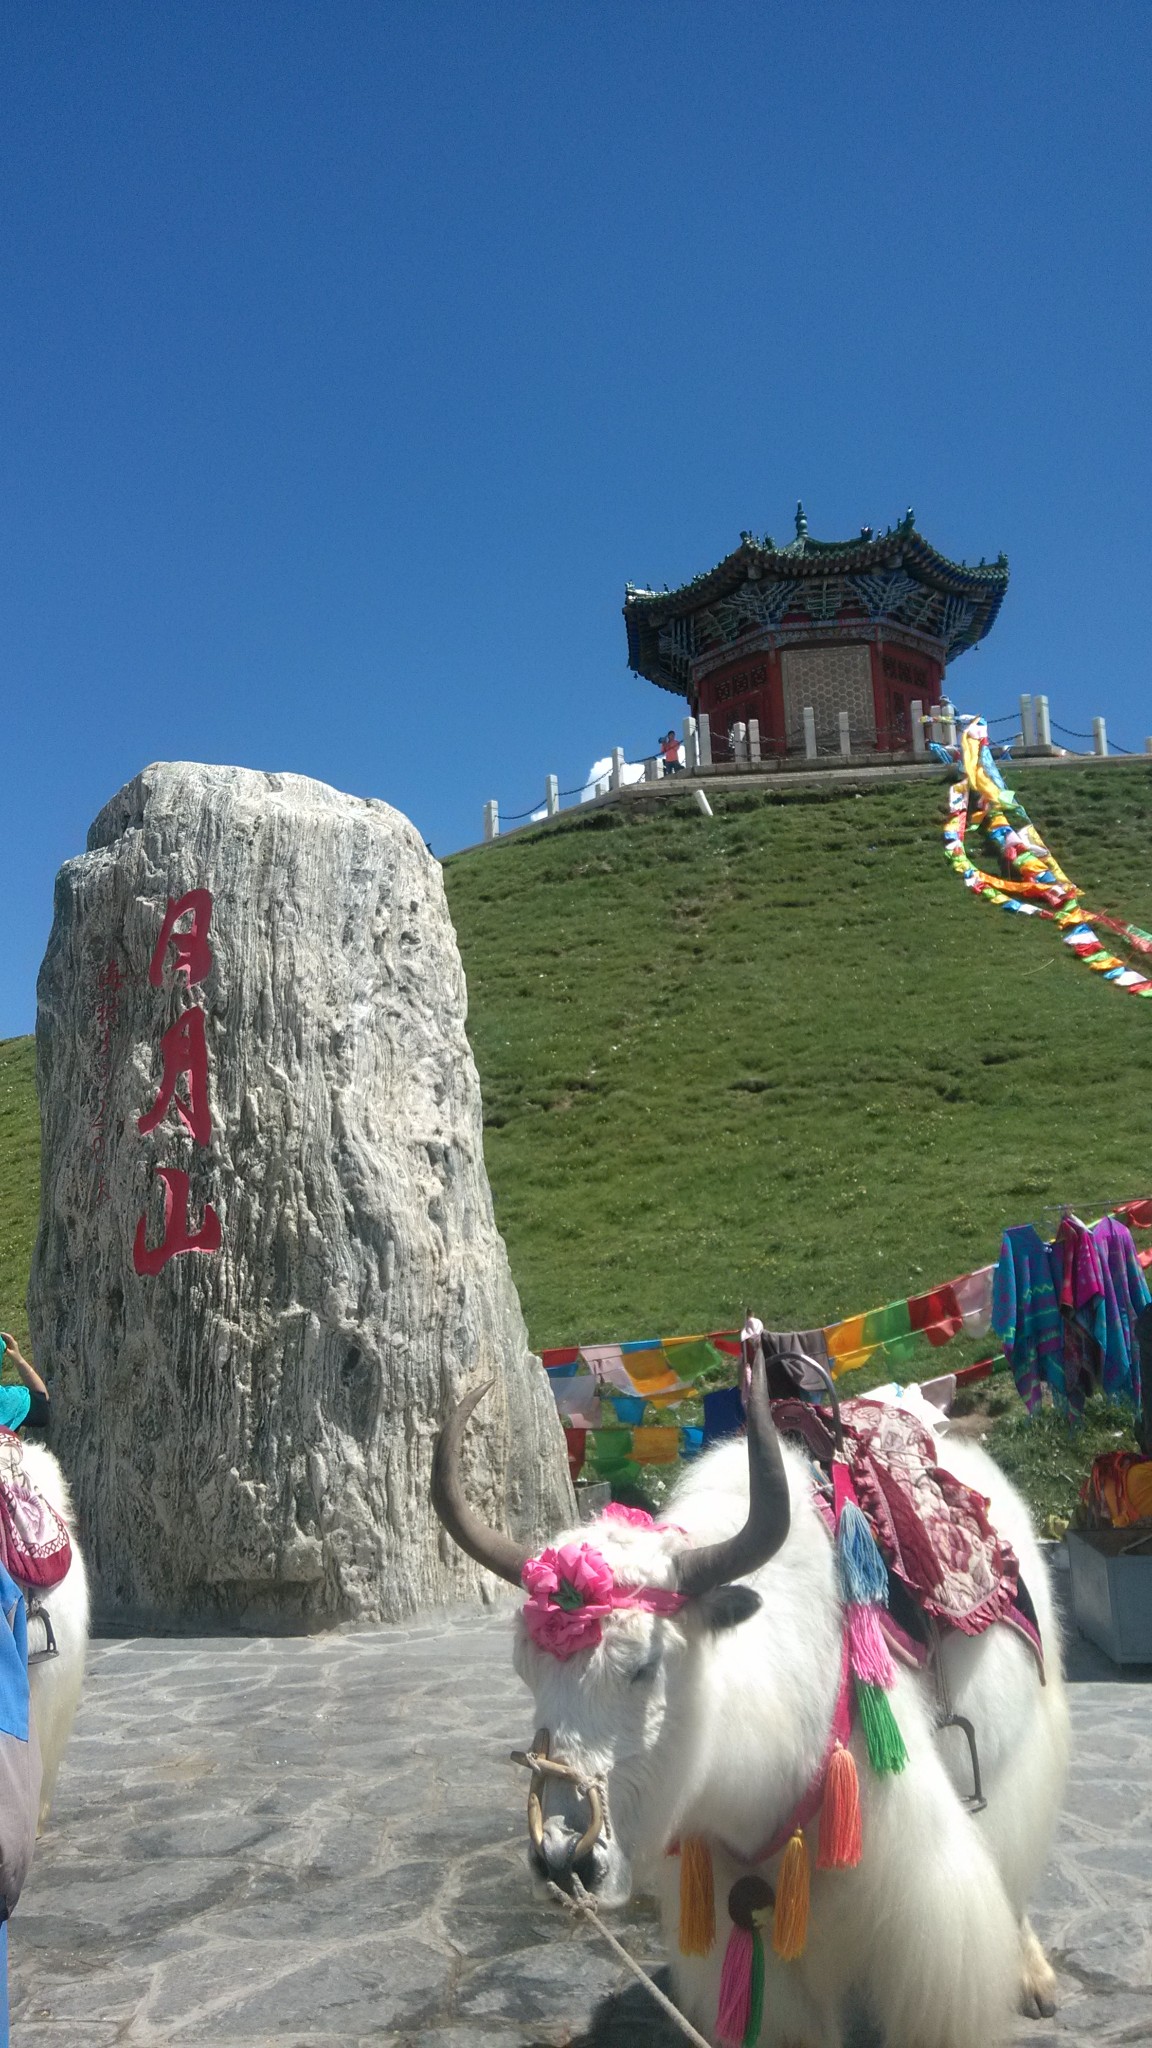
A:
318, 1843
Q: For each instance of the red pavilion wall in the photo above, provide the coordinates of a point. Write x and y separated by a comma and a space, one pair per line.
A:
901, 676
751, 686
748, 687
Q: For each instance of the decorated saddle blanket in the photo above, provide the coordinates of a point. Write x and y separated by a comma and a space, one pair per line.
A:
35, 1546
932, 1528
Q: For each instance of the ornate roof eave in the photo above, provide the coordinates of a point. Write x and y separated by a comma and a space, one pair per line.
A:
647, 611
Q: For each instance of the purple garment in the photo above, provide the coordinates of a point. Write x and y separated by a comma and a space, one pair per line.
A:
1079, 1282
1026, 1316
1111, 1319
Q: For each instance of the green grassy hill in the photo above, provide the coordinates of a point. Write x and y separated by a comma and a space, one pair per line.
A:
781, 1056
784, 1057
19, 1178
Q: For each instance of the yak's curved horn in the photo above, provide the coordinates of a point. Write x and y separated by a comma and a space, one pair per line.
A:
498, 1553
769, 1512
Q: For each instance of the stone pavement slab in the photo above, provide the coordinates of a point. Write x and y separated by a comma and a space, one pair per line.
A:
318, 1842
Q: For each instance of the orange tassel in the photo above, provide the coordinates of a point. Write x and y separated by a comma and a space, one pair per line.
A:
840, 1839
790, 1921
697, 1899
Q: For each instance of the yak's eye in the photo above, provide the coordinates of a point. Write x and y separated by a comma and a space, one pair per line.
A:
646, 1672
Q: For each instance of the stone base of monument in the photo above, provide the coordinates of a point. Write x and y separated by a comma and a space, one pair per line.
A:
267, 1259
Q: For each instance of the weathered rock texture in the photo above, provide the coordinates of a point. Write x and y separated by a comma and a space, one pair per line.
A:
248, 1431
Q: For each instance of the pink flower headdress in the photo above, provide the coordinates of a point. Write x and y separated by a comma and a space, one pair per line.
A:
573, 1588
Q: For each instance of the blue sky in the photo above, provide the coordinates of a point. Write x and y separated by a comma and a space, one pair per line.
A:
353, 357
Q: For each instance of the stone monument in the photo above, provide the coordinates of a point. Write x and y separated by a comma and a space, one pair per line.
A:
267, 1259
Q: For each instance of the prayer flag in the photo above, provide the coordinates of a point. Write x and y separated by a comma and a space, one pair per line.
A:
723, 1414
606, 1362
577, 1441
656, 1446
609, 1449
629, 1408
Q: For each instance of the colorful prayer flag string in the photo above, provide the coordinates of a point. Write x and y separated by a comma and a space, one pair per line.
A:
1031, 881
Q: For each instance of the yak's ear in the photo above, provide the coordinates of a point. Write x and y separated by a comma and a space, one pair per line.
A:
728, 1606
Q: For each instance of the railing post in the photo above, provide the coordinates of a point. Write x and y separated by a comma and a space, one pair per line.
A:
917, 716
754, 741
1027, 724
691, 746
739, 738
704, 739
653, 768
617, 767
1043, 722
845, 736
947, 723
1099, 736
809, 732
552, 795
492, 819
1148, 744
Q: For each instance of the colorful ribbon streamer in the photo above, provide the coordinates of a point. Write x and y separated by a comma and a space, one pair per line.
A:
1031, 881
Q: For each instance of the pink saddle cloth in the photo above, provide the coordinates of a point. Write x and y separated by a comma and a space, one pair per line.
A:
932, 1528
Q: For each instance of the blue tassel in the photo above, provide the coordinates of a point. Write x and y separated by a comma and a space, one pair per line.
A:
863, 1574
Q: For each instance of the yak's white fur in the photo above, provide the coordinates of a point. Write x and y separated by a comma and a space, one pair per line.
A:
56, 1682
719, 1732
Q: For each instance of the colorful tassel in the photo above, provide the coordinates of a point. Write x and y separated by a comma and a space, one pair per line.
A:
790, 1922
863, 1574
735, 2003
841, 1842
756, 1993
697, 1899
867, 1648
886, 1751
740, 2012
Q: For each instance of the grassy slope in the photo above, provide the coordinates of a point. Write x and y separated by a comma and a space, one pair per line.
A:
779, 1057
19, 1178
784, 1057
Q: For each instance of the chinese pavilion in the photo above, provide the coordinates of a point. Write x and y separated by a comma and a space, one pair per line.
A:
865, 626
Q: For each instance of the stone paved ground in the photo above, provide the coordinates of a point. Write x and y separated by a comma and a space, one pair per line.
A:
318, 1842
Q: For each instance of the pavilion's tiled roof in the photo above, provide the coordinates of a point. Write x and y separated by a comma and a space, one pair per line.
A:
895, 576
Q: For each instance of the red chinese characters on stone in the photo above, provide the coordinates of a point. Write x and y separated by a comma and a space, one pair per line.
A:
177, 1236
184, 1056
184, 1052
193, 953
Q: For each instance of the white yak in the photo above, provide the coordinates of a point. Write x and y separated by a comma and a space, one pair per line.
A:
56, 1682
714, 1720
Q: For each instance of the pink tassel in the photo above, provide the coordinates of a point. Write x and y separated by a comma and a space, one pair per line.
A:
735, 1989
867, 1648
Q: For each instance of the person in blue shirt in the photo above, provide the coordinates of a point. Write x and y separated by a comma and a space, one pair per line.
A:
19, 1770
27, 1403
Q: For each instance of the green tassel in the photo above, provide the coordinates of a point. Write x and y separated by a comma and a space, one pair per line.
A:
755, 1993
886, 1751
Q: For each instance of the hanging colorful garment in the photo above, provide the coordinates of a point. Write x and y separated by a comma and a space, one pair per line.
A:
1030, 880
1079, 1281
1026, 1316
1113, 1324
